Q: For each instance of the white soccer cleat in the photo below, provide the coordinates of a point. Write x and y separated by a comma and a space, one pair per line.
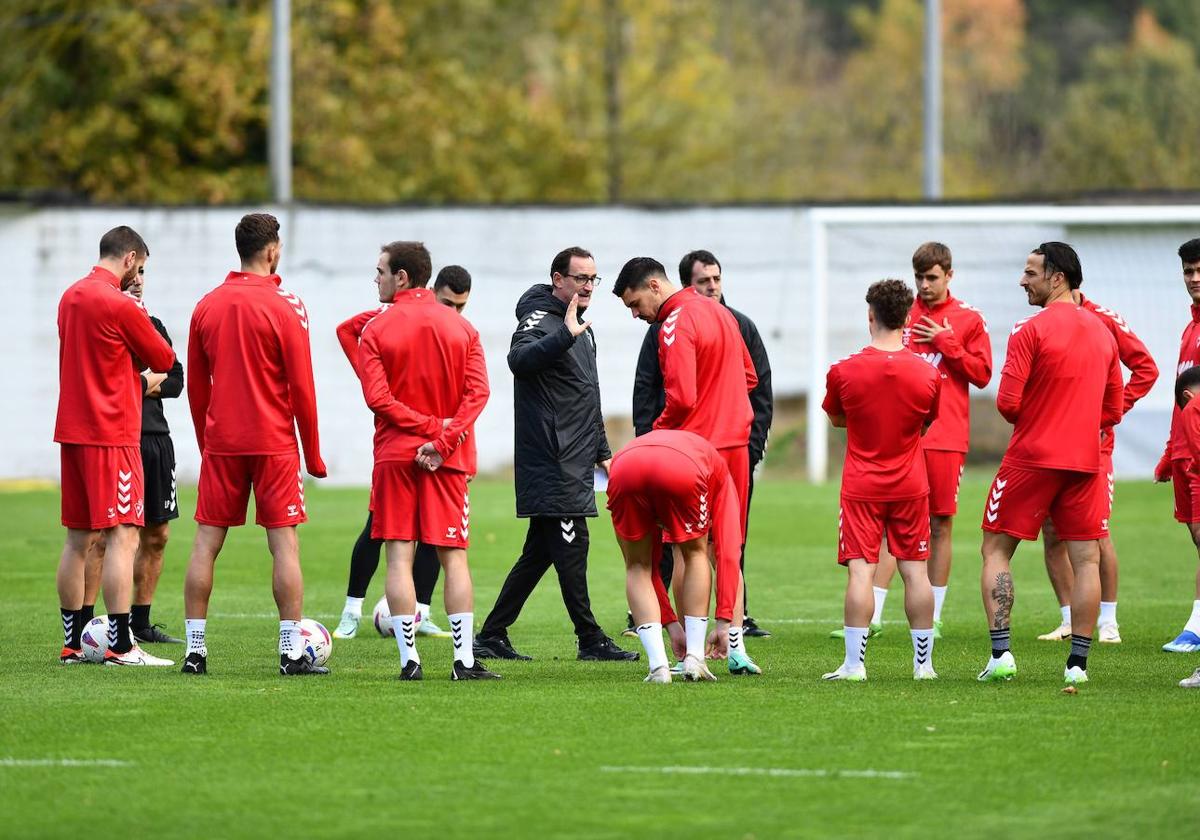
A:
857, 673
924, 671
1058, 634
427, 627
348, 627
1004, 668
136, 656
660, 675
694, 670
1075, 676
1191, 682
1109, 633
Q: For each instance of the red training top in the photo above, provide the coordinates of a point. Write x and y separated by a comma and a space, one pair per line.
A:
1189, 430
888, 397
251, 382
100, 330
707, 371
420, 363
1060, 385
962, 356
1189, 356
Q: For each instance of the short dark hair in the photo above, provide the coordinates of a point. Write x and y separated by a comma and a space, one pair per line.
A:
689, 261
454, 276
254, 232
120, 241
635, 273
930, 254
1189, 251
890, 300
1060, 256
561, 263
411, 257
1188, 380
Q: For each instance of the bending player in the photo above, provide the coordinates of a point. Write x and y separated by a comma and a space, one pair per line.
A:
885, 397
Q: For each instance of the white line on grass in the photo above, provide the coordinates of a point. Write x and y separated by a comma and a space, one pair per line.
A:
274, 615
776, 772
63, 762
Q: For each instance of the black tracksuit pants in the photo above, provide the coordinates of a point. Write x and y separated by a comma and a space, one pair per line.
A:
550, 541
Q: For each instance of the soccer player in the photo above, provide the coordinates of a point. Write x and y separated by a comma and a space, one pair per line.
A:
158, 469
560, 440
1061, 384
423, 375
1187, 388
885, 397
452, 288
250, 391
674, 484
1143, 374
1175, 464
105, 338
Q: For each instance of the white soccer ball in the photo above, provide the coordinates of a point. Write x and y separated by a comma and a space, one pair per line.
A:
383, 619
95, 639
318, 644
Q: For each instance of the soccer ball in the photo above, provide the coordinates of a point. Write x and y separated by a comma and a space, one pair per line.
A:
383, 619
318, 644
95, 639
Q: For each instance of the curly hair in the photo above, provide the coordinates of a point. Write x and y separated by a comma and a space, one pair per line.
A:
890, 300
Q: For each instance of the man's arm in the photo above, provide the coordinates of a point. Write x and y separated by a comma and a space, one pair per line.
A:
933, 406
969, 355
1017, 365
832, 404
140, 337
677, 358
302, 392
350, 331
1114, 394
648, 397
379, 395
199, 384
762, 400
1143, 372
475, 397
172, 386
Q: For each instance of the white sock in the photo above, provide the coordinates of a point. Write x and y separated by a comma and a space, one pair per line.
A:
405, 628
939, 598
1194, 622
856, 647
735, 638
422, 613
922, 647
652, 641
696, 630
880, 597
462, 633
1108, 612
290, 644
195, 635
353, 606
1066, 615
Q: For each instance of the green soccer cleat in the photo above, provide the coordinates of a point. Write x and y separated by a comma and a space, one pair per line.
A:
1075, 676
348, 626
1004, 668
937, 628
856, 674
742, 665
876, 629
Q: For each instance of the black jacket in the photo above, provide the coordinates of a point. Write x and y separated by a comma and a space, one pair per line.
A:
649, 398
154, 422
559, 429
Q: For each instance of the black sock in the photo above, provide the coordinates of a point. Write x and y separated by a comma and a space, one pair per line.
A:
72, 628
139, 617
1000, 642
87, 614
1080, 646
118, 633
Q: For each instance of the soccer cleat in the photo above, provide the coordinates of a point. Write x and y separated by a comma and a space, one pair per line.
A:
630, 630
1185, 642
299, 667
662, 675
412, 671
924, 671
428, 627
677, 668
1075, 676
606, 650
72, 656
475, 672
496, 647
750, 629
135, 656
1191, 682
154, 635
937, 628
876, 629
1058, 634
1110, 633
855, 674
694, 670
196, 663
1004, 668
348, 626
742, 665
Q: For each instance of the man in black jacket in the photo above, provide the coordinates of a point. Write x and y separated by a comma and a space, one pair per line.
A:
702, 270
560, 441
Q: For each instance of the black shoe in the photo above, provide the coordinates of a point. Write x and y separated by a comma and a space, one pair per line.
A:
412, 671
496, 647
154, 635
750, 628
475, 672
606, 650
630, 630
196, 663
298, 667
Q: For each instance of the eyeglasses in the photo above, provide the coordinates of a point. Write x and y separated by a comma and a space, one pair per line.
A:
584, 279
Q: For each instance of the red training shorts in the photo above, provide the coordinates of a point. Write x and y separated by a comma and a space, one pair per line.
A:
1187, 491
656, 488
102, 486
408, 502
225, 482
945, 471
862, 525
1020, 500
737, 458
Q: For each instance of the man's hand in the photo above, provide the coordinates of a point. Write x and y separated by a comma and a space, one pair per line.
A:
317, 468
154, 382
605, 465
927, 328
1162, 472
678, 639
572, 319
717, 644
428, 457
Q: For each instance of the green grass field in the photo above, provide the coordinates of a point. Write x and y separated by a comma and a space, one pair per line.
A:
562, 748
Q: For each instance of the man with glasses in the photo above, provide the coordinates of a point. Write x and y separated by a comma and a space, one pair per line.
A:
560, 440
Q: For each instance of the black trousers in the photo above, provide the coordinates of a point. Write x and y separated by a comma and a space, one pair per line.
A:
364, 560
550, 541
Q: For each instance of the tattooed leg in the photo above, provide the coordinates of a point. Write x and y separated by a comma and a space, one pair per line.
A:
1002, 597
996, 578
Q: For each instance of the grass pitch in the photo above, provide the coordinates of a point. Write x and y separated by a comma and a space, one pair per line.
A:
562, 748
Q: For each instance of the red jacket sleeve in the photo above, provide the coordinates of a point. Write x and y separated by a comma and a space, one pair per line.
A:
378, 393
1017, 365
1142, 369
302, 393
1114, 395
726, 537
677, 358
199, 381
350, 331
141, 337
475, 397
937, 399
832, 404
971, 355
666, 611
748, 364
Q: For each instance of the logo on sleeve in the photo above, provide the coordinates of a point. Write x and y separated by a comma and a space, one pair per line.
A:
533, 320
297, 306
669, 325
1017, 326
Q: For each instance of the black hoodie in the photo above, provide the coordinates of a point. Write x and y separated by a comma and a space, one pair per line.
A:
559, 429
